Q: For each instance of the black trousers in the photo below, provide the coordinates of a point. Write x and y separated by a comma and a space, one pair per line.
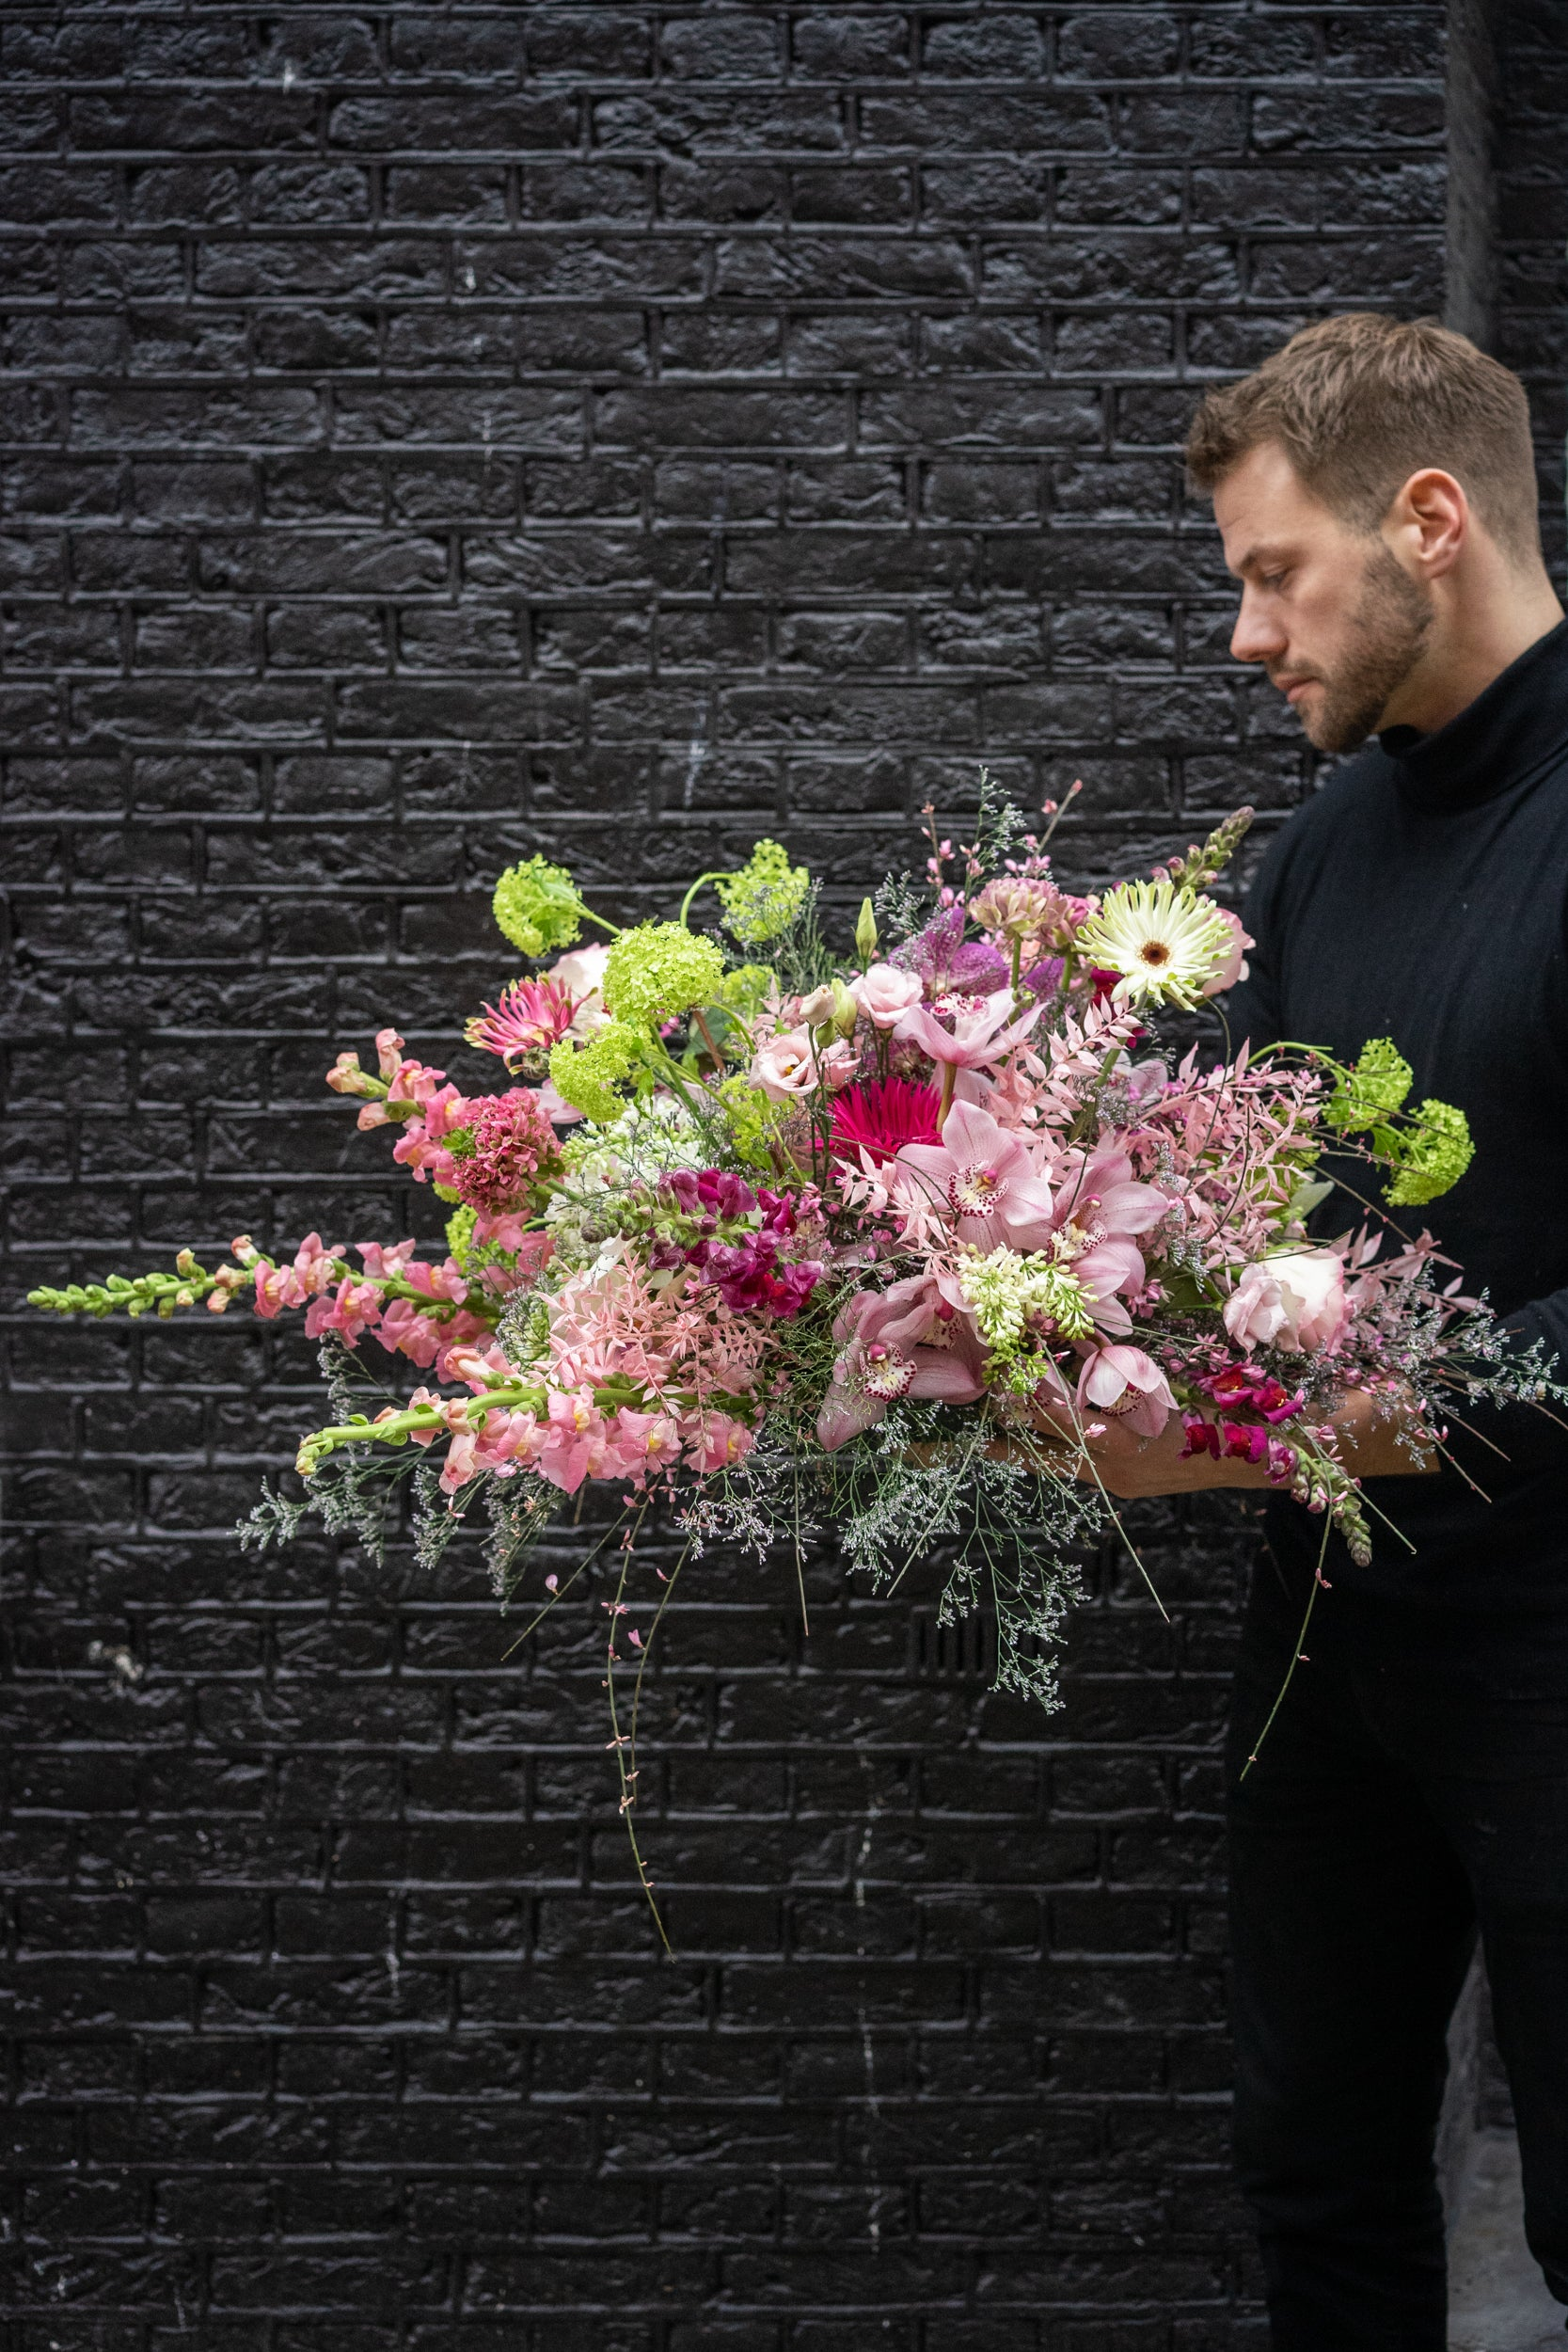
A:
1414, 1788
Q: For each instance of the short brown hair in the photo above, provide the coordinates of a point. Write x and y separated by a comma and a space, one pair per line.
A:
1360, 403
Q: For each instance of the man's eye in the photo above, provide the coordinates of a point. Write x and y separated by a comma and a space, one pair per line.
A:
1271, 580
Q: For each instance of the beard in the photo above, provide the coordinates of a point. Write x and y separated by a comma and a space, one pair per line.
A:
1389, 629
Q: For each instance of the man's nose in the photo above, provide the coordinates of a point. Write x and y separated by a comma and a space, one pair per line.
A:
1256, 636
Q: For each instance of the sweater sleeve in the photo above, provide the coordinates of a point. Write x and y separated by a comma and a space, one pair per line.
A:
1533, 1439
1252, 1009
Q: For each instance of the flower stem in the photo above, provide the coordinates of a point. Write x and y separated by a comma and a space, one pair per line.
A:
719, 873
701, 1019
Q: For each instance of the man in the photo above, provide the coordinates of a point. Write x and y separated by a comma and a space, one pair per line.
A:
1373, 484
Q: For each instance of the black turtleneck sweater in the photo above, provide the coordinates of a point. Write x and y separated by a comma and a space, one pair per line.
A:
1422, 894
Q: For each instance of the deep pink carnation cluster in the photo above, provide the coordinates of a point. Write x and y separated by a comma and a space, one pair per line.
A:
513, 1142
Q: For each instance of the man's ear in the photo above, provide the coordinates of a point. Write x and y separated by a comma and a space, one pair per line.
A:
1428, 523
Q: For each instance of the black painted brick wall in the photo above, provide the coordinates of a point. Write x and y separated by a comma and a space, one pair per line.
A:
428, 436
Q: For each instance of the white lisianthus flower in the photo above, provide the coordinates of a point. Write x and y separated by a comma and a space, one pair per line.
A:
1166, 943
1295, 1301
582, 970
786, 1067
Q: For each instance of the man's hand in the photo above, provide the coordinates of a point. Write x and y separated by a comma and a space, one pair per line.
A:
1129, 1466
1370, 1443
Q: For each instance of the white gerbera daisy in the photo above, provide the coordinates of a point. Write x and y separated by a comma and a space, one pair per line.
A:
1164, 942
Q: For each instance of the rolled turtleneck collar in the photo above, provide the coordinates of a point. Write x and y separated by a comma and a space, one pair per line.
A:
1514, 724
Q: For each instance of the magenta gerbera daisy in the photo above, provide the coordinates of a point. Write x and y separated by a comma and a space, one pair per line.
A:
883, 1115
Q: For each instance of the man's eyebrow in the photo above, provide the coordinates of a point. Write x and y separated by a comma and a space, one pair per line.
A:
1266, 556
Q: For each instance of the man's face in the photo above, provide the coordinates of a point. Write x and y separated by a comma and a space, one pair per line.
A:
1336, 622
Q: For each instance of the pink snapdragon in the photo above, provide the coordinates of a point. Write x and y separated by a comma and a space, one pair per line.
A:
352, 1310
422, 1147
715, 1441
404, 1086
381, 1263
313, 1271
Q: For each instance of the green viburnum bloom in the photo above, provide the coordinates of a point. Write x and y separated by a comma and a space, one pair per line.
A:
753, 1122
472, 1258
587, 1076
658, 970
1432, 1156
745, 989
764, 898
1371, 1089
538, 906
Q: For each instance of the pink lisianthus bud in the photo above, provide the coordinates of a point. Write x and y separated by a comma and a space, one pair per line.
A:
884, 994
1234, 968
1295, 1301
840, 1066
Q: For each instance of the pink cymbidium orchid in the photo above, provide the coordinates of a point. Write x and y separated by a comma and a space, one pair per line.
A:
983, 1178
1125, 1382
977, 1040
911, 1340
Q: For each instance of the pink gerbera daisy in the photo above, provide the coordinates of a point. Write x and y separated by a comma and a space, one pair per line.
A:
883, 1116
531, 1016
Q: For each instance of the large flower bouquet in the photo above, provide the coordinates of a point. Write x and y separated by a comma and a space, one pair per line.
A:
881, 1242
